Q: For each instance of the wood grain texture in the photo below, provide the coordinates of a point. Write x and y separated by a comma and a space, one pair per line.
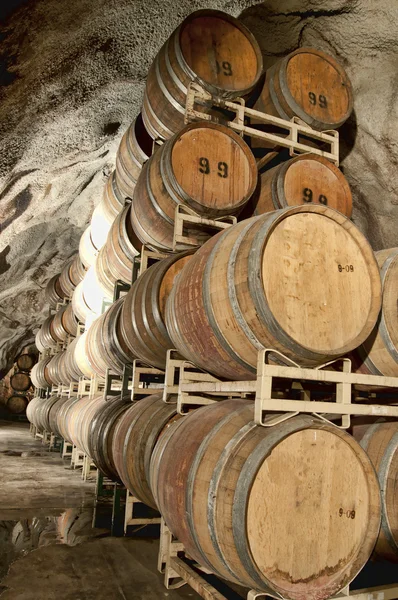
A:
379, 353
311, 85
26, 361
301, 180
282, 281
233, 490
380, 441
206, 167
210, 47
16, 404
20, 381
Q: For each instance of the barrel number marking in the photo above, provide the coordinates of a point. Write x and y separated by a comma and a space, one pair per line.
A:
204, 167
321, 100
308, 196
225, 67
350, 514
346, 268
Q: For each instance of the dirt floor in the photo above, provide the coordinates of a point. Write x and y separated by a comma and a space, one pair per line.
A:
47, 544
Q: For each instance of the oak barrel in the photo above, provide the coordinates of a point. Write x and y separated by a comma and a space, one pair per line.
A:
20, 381
25, 361
307, 178
142, 318
93, 294
106, 211
87, 250
39, 374
53, 414
230, 491
81, 358
64, 323
206, 166
54, 293
101, 433
45, 337
106, 347
134, 150
303, 281
62, 418
378, 355
115, 259
308, 84
134, 440
16, 404
209, 47
380, 441
72, 273
79, 306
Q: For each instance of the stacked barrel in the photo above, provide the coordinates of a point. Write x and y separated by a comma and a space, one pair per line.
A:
18, 392
296, 276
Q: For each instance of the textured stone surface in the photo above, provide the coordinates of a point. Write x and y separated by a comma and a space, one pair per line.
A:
74, 81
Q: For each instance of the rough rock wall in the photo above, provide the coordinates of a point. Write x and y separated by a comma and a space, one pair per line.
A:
73, 79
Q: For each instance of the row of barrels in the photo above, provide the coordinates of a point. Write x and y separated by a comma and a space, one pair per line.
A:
230, 490
219, 305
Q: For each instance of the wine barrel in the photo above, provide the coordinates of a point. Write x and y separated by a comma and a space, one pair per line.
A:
20, 381
134, 440
206, 167
105, 345
134, 150
54, 293
87, 249
80, 417
64, 323
62, 418
105, 213
101, 434
53, 414
209, 47
93, 294
380, 441
308, 84
303, 281
81, 358
39, 374
30, 409
142, 318
79, 306
17, 404
115, 259
230, 491
378, 355
307, 178
72, 273
45, 337
72, 371
25, 361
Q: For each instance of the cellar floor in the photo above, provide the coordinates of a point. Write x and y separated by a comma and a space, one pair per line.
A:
39, 499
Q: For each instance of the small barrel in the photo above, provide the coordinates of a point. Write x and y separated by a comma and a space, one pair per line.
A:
64, 323
305, 179
115, 259
206, 167
303, 281
378, 355
380, 441
230, 491
105, 346
54, 292
308, 84
101, 434
209, 47
87, 249
143, 313
106, 212
134, 150
134, 440
25, 362
20, 382
17, 404
39, 374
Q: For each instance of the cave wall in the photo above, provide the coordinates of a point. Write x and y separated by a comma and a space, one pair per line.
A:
73, 79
